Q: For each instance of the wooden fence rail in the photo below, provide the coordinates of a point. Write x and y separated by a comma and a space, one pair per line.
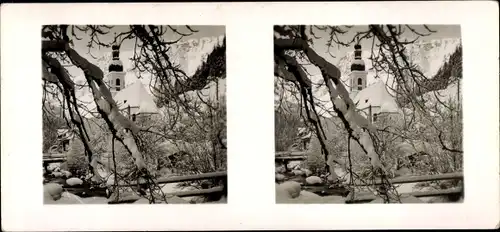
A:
414, 179
367, 197
284, 157
53, 160
214, 190
175, 179
291, 153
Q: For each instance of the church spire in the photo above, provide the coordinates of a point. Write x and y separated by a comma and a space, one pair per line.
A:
358, 71
358, 64
116, 75
116, 64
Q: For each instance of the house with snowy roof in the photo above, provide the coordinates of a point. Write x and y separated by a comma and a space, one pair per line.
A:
375, 101
371, 101
133, 100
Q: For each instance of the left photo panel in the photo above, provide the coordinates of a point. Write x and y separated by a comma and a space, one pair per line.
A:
134, 114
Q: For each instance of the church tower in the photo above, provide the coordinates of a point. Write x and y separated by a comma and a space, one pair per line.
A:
116, 75
358, 73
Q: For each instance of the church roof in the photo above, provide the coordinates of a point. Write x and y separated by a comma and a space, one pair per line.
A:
136, 96
377, 96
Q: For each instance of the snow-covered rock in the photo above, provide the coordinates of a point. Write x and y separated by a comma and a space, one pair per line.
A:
48, 199
306, 197
66, 174
290, 189
74, 181
52, 191
313, 180
52, 167
280, 177
69, 198
293, 164
280, 169
308, 194
57, 174
298, 172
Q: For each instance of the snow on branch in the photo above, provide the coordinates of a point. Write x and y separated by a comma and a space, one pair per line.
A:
353, 121
47, 75
102, 96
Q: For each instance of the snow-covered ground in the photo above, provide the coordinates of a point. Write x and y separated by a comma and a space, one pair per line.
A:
173, 187
400, 188
290, 192
69, 198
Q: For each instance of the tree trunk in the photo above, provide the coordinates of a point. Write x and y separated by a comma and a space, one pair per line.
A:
119, 125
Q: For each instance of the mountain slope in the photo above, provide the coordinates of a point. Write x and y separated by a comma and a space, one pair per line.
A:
438, 59
189, 54
428, 55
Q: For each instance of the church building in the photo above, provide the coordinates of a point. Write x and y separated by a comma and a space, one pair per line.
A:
133, 100
373, 101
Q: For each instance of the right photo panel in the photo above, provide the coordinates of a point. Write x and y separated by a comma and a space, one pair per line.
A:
368, 114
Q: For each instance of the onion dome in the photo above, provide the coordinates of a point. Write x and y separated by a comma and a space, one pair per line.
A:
116, 64
358, 64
